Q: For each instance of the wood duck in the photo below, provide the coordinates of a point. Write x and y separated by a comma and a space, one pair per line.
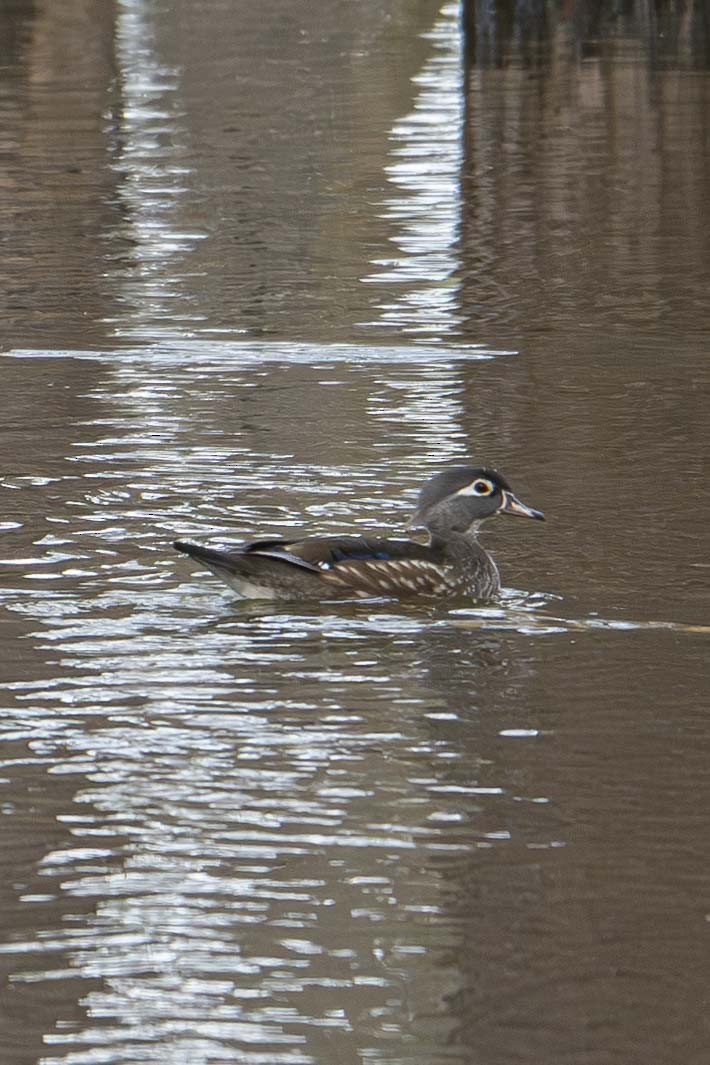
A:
451, 507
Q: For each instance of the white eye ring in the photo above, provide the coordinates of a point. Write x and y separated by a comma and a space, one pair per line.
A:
482, 488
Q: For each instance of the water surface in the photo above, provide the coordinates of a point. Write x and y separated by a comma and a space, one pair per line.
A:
266, 271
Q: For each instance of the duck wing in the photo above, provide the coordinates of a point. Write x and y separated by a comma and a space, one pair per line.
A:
330, 566
365, 566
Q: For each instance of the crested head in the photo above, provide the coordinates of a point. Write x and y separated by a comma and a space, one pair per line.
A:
458, 498
460, 479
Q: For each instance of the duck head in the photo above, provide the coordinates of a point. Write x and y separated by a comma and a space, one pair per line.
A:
459, 499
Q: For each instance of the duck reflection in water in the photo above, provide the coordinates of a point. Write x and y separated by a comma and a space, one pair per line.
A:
452, 506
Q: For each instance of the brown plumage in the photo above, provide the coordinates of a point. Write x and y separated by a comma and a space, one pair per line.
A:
453, 563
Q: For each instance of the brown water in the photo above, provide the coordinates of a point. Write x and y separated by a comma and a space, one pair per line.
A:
265, 268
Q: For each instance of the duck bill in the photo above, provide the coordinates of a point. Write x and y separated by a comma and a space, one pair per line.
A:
511, 505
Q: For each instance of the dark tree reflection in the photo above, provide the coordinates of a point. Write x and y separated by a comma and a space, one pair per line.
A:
499, 31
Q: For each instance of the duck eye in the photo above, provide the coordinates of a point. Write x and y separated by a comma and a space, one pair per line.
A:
482, 488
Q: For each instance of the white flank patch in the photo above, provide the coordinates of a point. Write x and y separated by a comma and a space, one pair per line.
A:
247, 589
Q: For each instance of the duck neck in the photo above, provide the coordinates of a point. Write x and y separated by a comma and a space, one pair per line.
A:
444, 537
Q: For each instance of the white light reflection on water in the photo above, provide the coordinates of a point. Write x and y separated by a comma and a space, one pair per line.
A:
262, 845
258, 808
424, 206
236, 354
152, 157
